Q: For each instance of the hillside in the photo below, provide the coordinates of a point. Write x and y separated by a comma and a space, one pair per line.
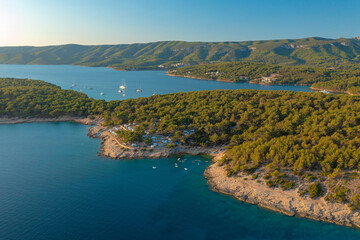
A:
289, 140
335, 80
308, 51
34, 98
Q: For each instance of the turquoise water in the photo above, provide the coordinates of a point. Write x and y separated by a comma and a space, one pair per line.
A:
93, 81
54, 186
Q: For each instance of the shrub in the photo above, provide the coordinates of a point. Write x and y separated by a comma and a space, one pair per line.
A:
288, 185
267, 177
315, 190
339, 195
270, 184
255, 176
355, 202
302, 193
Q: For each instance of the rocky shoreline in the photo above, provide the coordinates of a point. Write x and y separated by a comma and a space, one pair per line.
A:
260, 83
199, 78
112, 148
331, 91
81, 120
250, 191
242, 188
287, 202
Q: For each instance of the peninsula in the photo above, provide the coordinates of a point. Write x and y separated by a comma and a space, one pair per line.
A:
292, 152
320, 79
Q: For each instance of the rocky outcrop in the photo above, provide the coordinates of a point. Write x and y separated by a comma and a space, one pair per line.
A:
287, 202
112, 148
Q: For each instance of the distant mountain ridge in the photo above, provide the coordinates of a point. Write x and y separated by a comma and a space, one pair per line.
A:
314, 51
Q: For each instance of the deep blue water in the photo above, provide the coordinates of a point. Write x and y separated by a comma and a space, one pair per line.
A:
54, 186
108, 81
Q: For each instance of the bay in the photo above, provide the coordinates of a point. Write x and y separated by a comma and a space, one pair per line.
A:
97, 80
54, 186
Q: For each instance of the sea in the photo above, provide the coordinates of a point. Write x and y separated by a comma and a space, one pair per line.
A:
53, 184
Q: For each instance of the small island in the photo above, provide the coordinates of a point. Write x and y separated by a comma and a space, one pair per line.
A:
291, 152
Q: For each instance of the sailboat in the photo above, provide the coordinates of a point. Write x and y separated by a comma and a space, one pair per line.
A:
139, 90
123, 85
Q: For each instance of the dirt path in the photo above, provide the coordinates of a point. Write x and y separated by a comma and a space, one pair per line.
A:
116, 140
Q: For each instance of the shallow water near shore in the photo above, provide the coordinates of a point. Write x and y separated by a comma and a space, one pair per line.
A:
96, 80
54, 186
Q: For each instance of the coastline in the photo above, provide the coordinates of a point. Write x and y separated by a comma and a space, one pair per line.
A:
112, 148
81, 120
199, 78
286, 202
256, 192
260, 83
243, 188
331, 91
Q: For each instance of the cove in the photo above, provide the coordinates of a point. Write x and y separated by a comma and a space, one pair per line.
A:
54, 186
96, 80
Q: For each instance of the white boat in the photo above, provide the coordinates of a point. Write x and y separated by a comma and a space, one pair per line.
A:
185, 169
123, 85
139, 90
154, 167
101, 93
119, 90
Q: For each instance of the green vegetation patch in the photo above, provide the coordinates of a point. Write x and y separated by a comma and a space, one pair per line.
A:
315, 190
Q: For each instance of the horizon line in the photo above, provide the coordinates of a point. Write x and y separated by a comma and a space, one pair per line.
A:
115, 44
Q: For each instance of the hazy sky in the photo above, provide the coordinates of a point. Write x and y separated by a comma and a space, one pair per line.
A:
50, 22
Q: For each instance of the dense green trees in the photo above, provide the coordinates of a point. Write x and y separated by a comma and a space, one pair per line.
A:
301, 131
349, 85
329, 79
314, 51
241, 71
130, 136
293, 130
30, 98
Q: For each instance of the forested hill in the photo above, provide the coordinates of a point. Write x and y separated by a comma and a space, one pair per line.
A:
286, 138
308, 51
34, 98
335, 80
